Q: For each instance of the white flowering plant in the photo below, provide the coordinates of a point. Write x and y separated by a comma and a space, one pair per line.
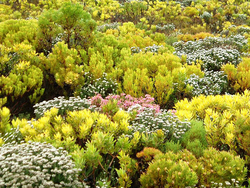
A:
214, 58
12, 136
165, 28
105, 27
148, 121
36, 164
103, 85
213, 83
153, 49
237, 42
64, 105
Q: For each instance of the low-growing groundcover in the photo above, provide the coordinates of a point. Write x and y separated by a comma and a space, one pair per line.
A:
113, 93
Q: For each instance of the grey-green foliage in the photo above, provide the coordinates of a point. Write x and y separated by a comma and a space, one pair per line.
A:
227, 184
148, 121
237, 42
213, 51
206, 16
242, 30
153, 49
64, 105
165, 28
214, 58
104, 86
36, 164
213, 83
105, 27
13, 136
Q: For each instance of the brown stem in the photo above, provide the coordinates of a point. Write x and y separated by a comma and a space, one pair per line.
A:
113, 157
102, 166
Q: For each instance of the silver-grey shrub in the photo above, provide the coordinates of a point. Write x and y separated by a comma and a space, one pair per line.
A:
12, 136
214, 58
36, 164
154, 49
213, 51
237, 42
105, 27
64, 105
165, 28
103, 85
213, 83
148, 121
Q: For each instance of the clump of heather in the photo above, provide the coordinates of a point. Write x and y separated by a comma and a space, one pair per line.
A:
125, 102
36, 164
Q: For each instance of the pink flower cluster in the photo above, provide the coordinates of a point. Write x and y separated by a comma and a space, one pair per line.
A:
125, 101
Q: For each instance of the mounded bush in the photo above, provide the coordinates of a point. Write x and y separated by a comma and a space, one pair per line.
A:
36, 164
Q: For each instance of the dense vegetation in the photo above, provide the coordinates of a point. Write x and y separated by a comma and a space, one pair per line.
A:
124, 93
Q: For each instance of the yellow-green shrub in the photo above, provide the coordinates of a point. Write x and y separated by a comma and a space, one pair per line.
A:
66, 130
13, 55
3, 101
105, 56
4, 120
186, 37
239, 77
133, 11
161, 71
163, 88
135, 37
154, 62
5, 12
137, 83
160, 13
220, 129
242, 132
197, 36
194, 69
97, 64
197, 107
94, 141
33, 8
17, 31
23, 82
104, 10
171, 170
65, 65
221, 166
225, 118
126, 171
